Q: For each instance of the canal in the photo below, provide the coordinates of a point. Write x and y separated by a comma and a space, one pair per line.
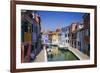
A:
54, 53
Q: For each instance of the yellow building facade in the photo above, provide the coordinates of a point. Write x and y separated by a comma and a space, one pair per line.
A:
55, 38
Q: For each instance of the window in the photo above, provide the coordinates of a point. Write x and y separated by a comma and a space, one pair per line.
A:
66, 41
78, 43
65, 35
75, 44
68, 34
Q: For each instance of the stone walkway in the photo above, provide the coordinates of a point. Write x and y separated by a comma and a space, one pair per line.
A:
79, 54
41, 57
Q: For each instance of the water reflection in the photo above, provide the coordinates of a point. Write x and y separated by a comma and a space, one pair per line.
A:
54, 53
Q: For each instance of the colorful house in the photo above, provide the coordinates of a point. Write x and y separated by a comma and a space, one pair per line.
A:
55, 38
66, 36
30, 35
73, 35
86, 22
45, 38
80, 37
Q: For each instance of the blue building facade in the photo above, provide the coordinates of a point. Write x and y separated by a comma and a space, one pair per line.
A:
30, 35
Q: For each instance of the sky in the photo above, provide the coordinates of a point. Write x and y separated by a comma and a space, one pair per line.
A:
51, 20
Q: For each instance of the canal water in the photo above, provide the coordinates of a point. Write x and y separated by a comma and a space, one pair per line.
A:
54, 53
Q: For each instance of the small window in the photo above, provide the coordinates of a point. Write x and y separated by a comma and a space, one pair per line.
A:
78, 43
66, 41
68, 34
65, 35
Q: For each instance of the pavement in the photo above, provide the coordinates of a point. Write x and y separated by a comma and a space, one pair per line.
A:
79, 54
42, 56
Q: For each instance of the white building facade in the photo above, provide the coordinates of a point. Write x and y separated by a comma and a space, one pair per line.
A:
65, 34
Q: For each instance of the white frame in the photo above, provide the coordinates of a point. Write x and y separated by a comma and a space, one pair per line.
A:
20, 65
